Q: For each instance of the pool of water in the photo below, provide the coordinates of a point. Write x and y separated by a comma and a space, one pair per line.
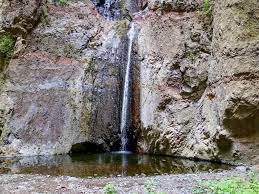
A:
105, 164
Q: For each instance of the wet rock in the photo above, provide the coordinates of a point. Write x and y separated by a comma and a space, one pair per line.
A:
61, 90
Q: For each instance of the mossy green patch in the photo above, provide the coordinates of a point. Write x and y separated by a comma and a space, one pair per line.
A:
63, 2
7, 43
44, 16
206, 7
121, 27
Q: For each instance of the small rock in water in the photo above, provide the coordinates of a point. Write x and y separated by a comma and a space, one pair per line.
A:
119, 175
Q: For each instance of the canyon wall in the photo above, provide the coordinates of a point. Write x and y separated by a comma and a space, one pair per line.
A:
199, 80
62, 86
194, 81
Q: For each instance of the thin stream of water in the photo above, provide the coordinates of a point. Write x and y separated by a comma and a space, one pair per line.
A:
126, 91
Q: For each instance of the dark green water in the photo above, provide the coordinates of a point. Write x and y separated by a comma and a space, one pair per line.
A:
106, 164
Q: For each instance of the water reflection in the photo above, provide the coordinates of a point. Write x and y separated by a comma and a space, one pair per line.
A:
107, 164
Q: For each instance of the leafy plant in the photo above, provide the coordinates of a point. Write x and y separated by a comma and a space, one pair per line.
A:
109, 189
206, 8
149, 187
6, 45
62, 2
233, 185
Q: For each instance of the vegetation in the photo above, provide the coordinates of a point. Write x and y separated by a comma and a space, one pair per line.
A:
149, 188
63, 2
7, 43
192, 55
206, 8
231, 185
179, 2
121, 28
6, 46
2, 82
44, 16
109, 189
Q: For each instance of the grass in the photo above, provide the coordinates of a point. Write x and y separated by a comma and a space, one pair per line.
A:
232, 185
149, 188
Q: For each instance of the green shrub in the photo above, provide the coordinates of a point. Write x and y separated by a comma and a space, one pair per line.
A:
149, 187
6, 46
109, 189
206, 8
231, 185
62, 2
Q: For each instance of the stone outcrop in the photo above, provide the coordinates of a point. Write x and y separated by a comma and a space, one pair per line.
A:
63, 88
198, 86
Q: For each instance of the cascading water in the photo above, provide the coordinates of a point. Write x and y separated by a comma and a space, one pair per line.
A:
110, 9
126, 91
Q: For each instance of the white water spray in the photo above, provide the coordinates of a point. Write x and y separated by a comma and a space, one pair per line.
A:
125, 101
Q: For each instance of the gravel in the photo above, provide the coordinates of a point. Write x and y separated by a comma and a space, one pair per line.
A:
176, 184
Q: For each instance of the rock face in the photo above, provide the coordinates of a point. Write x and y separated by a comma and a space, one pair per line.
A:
198, 85
63, 89
195, 77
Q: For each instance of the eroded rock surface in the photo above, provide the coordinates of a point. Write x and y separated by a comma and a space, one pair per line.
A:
198, 85
64, 87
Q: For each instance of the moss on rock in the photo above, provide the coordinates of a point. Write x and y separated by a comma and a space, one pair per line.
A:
7, 43
121, 28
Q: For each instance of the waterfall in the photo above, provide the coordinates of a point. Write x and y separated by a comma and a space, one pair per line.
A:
126, 91
110, 9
